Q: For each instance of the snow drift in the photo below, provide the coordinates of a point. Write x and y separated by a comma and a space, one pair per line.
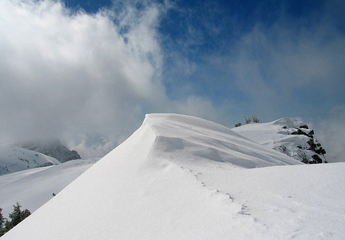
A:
180, 177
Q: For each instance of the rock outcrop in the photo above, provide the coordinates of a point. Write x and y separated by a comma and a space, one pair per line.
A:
309, 150
289, 136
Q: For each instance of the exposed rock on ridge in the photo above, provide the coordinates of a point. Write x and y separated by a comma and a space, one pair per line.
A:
309, 150
289, 136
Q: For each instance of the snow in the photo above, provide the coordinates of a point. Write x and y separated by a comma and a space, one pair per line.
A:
269, 133
277, 135
34, 187
181, 177
13, 159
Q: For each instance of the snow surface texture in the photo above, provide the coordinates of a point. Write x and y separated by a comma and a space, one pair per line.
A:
180, 177
13, 159
34, 187
287, 136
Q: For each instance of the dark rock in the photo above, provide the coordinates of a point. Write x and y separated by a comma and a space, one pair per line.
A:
320, 151
317, 158
304, 126
300, 132
304, 160
312, 144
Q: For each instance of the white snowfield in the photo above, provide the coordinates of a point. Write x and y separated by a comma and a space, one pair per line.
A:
34, 187
180, 177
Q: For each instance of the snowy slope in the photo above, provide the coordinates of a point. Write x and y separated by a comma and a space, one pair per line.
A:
34, 187
13, 159
180, 177
287, 136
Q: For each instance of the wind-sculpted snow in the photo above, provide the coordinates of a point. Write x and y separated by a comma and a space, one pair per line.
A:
181, 139
180, 177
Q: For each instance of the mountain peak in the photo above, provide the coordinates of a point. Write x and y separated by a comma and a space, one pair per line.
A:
53, 148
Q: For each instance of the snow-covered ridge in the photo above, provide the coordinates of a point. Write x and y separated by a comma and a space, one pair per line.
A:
287, 135
180, 177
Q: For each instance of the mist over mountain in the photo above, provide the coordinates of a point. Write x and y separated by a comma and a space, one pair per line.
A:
52, 148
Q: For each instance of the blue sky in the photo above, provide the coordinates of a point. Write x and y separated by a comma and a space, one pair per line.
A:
209, 36
75, 68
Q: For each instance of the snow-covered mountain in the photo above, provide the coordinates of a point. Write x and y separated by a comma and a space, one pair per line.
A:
287, 135
53, 148
180, 177
13, 159
33, 154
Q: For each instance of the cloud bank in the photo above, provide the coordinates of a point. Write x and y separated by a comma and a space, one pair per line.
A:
70, 74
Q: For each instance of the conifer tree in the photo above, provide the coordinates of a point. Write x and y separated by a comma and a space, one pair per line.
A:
2, 221
24, 214
8, 226
16, 216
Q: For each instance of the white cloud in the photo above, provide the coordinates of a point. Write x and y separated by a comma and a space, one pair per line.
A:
71, 74
64, 72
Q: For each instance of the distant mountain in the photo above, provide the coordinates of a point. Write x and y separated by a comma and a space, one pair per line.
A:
287, 135
14, 159
52, 148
